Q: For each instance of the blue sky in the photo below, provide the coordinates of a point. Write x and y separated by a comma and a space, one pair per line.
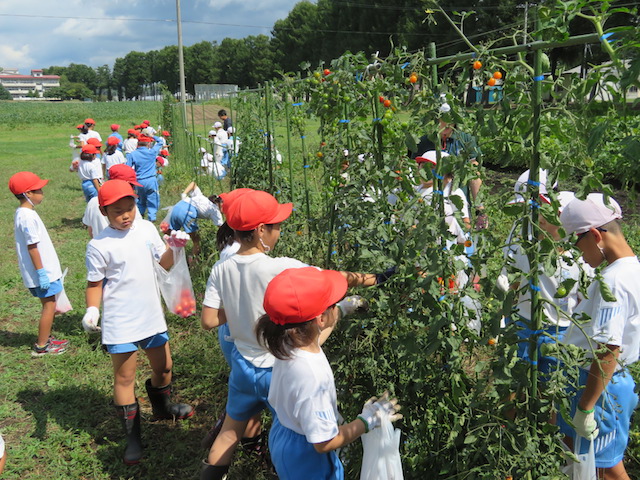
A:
42, 33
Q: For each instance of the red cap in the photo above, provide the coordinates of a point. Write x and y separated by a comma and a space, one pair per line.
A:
94, 141
165, 133
89, 121
113, 190
80, 126
229, 197
256, 207
144, 138
113, 141
23, 182
139, 127
132, 131
146, 122
115, 126
89, 148
164, 152
120, 171
297, 295
160, 160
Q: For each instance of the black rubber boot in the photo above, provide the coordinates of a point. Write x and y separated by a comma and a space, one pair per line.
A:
160, 398
130, 417
213, 472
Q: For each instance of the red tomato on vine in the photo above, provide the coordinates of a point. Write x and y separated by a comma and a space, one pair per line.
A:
387, 103
326, 72
497, 75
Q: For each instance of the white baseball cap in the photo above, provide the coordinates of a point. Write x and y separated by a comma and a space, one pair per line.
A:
212, 133
202, 150
431, 157
581, 215
217, 125
564, 198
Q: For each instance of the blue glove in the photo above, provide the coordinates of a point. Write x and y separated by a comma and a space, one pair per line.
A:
386, 275
43, 279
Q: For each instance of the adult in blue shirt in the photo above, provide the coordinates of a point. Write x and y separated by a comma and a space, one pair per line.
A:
143, 161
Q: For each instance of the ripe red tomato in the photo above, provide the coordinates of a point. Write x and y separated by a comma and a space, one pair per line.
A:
477, 65
491, 82
381, 98
326, 72
497, 75
387, 103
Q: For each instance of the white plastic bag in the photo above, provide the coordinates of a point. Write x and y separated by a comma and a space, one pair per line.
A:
585, 467
176, 287
381, 453
63, 305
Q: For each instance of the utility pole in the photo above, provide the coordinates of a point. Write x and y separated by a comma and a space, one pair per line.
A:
183, 90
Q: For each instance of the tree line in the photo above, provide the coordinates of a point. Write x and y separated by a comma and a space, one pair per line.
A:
311, 34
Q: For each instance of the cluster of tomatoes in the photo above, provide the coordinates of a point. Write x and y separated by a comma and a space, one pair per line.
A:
385, 101
187, 304
497, 75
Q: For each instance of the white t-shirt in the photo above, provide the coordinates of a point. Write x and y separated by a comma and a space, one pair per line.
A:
567, 268
116, 158
205, 207
303, 394
94, 134
238, 285
612, 323
93, 217
129, 145
132, 309
29, 229
90, 169
229, 251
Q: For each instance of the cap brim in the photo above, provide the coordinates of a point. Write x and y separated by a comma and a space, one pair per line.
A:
420, 160
338, 283
284, 212
40, 184
133, 182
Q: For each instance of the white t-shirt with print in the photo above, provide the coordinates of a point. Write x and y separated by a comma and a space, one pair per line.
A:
612, 323
303, 394
568, 267
132, 309
129, 145
205, 207
29, 230
238, 285
90, 169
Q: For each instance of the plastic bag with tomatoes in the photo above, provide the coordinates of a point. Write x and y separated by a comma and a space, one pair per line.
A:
176, 287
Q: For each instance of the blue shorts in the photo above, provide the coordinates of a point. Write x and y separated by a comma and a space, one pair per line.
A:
248, 388
184, 216
548, 335
156, 340
294, 457
55, 288
89, 190
613, 414
226, 342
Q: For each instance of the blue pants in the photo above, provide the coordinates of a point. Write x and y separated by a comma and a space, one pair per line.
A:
89, 190
148, 197
296, 459
225, 158
613, 413
552, 334
248, 388
184, 216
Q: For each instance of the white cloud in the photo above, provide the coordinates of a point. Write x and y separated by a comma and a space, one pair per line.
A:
10, 57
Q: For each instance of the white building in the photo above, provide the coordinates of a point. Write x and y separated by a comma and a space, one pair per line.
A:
21, 85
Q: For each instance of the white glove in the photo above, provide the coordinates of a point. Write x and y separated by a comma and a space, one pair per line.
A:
372, 411
178, 239
90, 320
585, 424
183, 196
350, 304
503, 282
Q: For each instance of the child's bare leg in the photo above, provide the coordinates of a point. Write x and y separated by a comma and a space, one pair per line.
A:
254, 426
221, 452
46, 319
195, 238
124, 374
161, 365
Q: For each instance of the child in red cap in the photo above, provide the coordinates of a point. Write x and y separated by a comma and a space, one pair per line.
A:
39, 264
121, 276
131, 143
301, 307
115, 133
112, 156
90, 171
239, 284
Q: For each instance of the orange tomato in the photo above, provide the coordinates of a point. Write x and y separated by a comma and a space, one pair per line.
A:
413, 78
492, 342
497, 75
477, 65
491, 82
326, 72
387, 103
